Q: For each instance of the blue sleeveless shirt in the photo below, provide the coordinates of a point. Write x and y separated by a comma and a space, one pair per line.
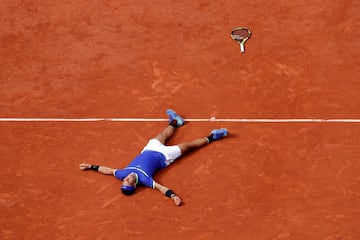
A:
144, 165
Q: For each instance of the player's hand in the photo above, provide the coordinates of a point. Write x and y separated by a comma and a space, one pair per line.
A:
177, 200
84, 166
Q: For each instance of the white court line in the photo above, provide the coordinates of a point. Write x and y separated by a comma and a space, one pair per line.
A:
259, 120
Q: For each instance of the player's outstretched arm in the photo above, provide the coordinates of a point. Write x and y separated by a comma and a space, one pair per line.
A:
169, 193
100, 169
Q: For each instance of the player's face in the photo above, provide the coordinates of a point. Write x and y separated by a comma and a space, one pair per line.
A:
130, 180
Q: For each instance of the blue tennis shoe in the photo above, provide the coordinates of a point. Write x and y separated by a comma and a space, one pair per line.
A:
174, 116
219, 133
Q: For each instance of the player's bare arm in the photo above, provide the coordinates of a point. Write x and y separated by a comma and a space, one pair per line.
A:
169, 193
100, 169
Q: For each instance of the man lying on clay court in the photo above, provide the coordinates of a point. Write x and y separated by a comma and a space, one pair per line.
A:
156, 155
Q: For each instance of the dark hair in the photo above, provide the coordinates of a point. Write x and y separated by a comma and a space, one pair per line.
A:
127, 190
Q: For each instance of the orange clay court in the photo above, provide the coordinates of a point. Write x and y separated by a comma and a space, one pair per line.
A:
134, 59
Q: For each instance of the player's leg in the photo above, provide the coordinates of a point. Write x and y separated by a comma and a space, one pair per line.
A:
175, 121
174, 152
188, 146
215, 134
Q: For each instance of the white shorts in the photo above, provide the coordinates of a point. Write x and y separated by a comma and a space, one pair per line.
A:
170, 152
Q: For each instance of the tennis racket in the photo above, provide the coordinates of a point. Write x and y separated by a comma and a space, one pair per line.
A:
241, 35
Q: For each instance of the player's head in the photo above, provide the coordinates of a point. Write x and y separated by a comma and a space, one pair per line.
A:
129, 184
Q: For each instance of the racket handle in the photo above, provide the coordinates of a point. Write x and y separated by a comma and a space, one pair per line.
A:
242, 48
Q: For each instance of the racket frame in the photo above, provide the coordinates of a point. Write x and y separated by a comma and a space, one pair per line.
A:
241, 41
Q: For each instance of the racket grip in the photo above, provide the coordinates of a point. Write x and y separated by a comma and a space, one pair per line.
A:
242, 47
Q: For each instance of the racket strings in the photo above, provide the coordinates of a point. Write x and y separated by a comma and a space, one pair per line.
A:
240, 34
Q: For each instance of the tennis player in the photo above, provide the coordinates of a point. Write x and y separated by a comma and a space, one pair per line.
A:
156, 155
